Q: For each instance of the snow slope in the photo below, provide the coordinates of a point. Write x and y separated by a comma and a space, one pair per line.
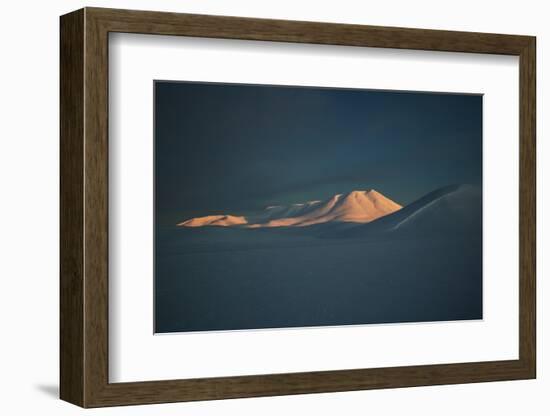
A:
452, 209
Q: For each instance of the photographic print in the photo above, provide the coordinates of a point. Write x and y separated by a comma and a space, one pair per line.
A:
292, 206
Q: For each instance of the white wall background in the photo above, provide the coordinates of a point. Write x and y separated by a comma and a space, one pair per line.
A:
29, 206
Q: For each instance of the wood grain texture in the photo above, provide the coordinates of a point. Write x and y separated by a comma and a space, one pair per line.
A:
84, 207
96, 219
162, 23
72, 215
528, 207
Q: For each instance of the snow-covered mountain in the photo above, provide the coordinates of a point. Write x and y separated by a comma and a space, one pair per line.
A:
214, 220
454, 209
354, 207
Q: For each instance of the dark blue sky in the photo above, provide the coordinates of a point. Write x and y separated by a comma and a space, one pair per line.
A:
226, 148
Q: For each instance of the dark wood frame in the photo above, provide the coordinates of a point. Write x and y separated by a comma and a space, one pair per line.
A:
84, 210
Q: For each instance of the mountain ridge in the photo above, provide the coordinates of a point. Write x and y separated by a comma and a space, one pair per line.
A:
358, 206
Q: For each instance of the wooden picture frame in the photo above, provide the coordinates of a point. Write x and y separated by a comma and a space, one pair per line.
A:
84, 207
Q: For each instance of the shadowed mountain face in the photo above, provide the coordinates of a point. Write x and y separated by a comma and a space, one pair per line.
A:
455, 209
354, 207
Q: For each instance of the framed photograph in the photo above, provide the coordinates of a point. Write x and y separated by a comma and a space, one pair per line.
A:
257, 207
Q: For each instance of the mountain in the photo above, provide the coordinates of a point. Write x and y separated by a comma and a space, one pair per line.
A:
455, 209
215, 220
355, 207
